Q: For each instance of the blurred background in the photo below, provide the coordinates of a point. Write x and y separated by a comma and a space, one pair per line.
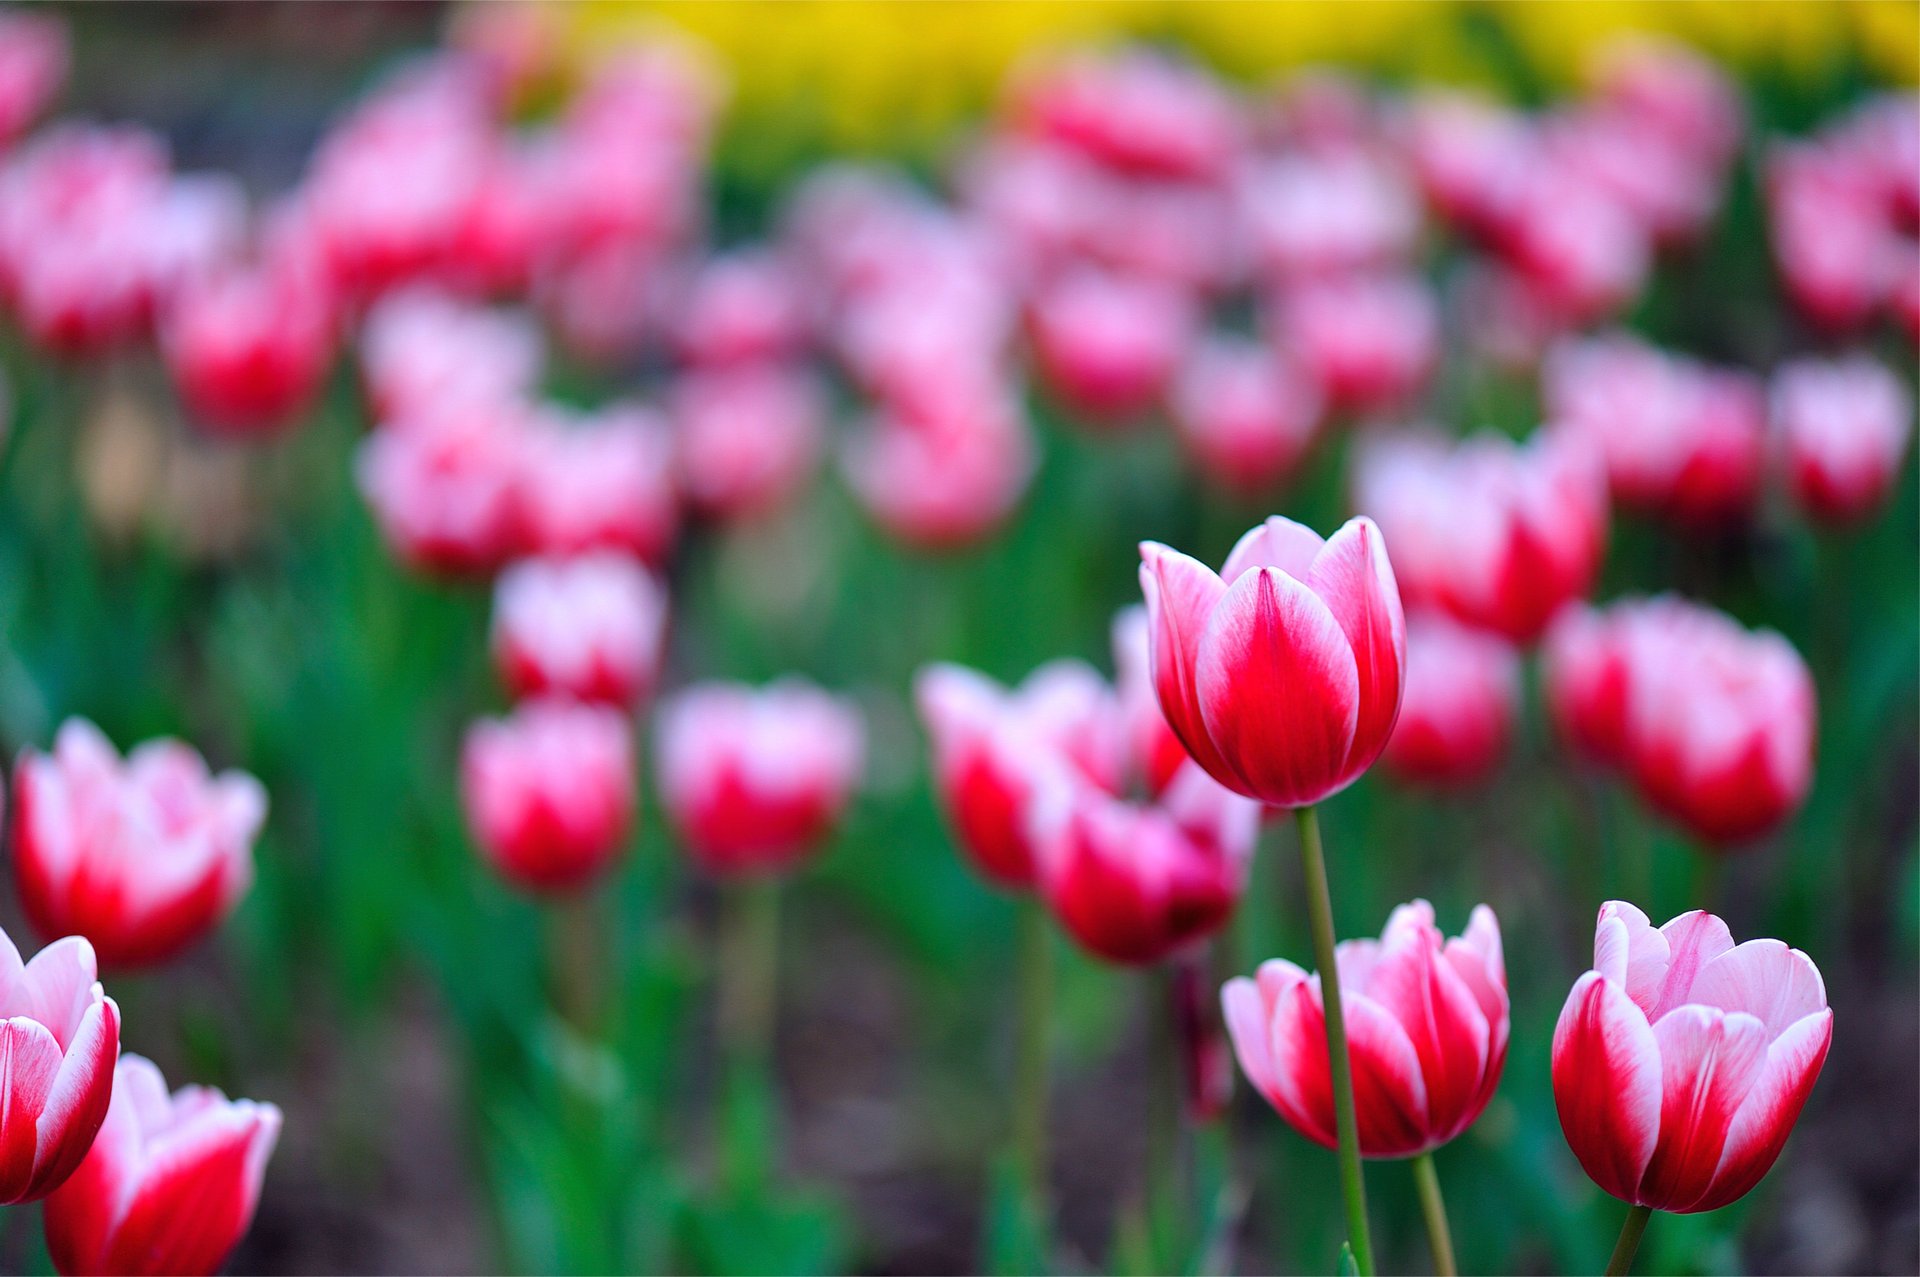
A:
239, 589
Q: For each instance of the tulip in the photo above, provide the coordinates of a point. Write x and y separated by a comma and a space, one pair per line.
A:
1583, 251
604, 482
994, 748
1135, 111
747, 437
1282, 674
1497, 534
1467, 154
422, 353
549, 792
1463, 692
61, 1034
589, 628
754, 780
1369, 342
1720, 722
1244, 417
33, 65
1154, 752
171, 1184
1584, 670
1181, 235
1673, 91
1681, 1060
142, 857
740, 307
444, 489
248, 351
1838, 253
942, 486
1844, 428
1427, 1019
1135, 884
1328, 214
1107, 344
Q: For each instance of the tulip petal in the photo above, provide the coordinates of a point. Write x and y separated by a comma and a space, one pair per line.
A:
1390, 1094
1764, 978
1303, 1089
1276, 542
77, 1102
1606, 1083
193, 1200
1278, 691
58, 986
1709, 1060
1352, 574
1181, 594
29, 1062
1693, 940
1450, 1035
1246, 1015
1771, 1107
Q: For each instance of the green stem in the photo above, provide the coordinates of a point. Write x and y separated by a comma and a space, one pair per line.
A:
1439, 1237
576, 959
1622, 1261
749, 970
1353, 1186
1164, 1107
1032, 1057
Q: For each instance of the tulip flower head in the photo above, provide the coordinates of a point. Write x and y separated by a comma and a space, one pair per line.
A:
994, 748
1109, 345
1682, 1060
248, 350
142, 856
1368, 341
1244, 417
444, 489
1282, 674
33, 65
1427, 1026
748, 437
170, 1185
605, 482
61, 1036
549, 792
589, 628
754, 780
1843, 427
1463, 693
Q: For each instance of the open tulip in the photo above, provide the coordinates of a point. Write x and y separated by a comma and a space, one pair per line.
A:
1681, 1061
1463, 691
142, 857
1843, 427
754, 779
1282, 674
993, 748
549, 792
170, 1185
59, 1037
588, 628
1427, 1022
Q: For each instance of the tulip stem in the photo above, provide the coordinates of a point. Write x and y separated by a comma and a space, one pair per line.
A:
749, 970
1439, 1237
1630, 1232
1353, 1185
1032, 1058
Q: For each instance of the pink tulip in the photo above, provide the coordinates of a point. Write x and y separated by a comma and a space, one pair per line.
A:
171, 1184
1585, 253
748, 436
1281, 675
1682, 1060
993, 748
754, 780
142, 857
549, 792
33, 66
589, 628
445, 488
1154, 753
248, 349
1370, 342
1328, 214
942, 486
1244, 417
1586, 676
1427, 1026
1136, 111
1463, 694
504, 231
1107, 344
1181, 235
423, 354
1468, 154
1670, 89
1836, 248
60, 1036
602, 482
1843, 426
739, 308
1498, 534
1135, 884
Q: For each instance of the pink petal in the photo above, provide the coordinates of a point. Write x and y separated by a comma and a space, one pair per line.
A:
1606, 1083
1763, 978
1245, 1012
1693, 940
1771, 1107
1277, 690
1355, 579
29, 1062
193, 1200
1389, 1088
1709, 1061
82, 1090
1303, 1088
1278, 542
1449, 1033
58, 986
1181, 594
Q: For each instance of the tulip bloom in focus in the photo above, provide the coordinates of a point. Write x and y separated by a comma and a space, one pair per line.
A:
1682, 1060
549, 792
1843, 427
1135, 884
1427, 1026
754, 780
994, 748
1282, 674
589, 628
170, 1185
59, 1037
1463, 693
142, 857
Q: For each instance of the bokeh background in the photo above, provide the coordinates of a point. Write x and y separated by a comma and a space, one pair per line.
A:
391, 995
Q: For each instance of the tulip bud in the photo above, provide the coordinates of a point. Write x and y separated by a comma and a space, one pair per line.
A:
588, 628
142, 857
444, 489
549, 792
1463, 693
604, 482
170, 1185
754, 780
1427, 1026
59, 1036
1843, 426
1681, 1061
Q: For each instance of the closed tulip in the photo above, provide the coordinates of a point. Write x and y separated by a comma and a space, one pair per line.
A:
993, 748
248, 350
171, 1184
755, 779
589, 628
1134, 884
945, 485
1682, 1060
142, 856
1463, 693
443, 488
1282, 674
59, 1037
549, 792
1427, 1027
603, 482
1843, 427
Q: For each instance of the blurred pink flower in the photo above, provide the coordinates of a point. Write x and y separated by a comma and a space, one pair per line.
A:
549, 792
1463, 694
748, 436
1245, 417
1108, 344
444, 489
1843, 427
590, 628
249, 347
602, 481
738, 307
1135, 110
1369, 342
